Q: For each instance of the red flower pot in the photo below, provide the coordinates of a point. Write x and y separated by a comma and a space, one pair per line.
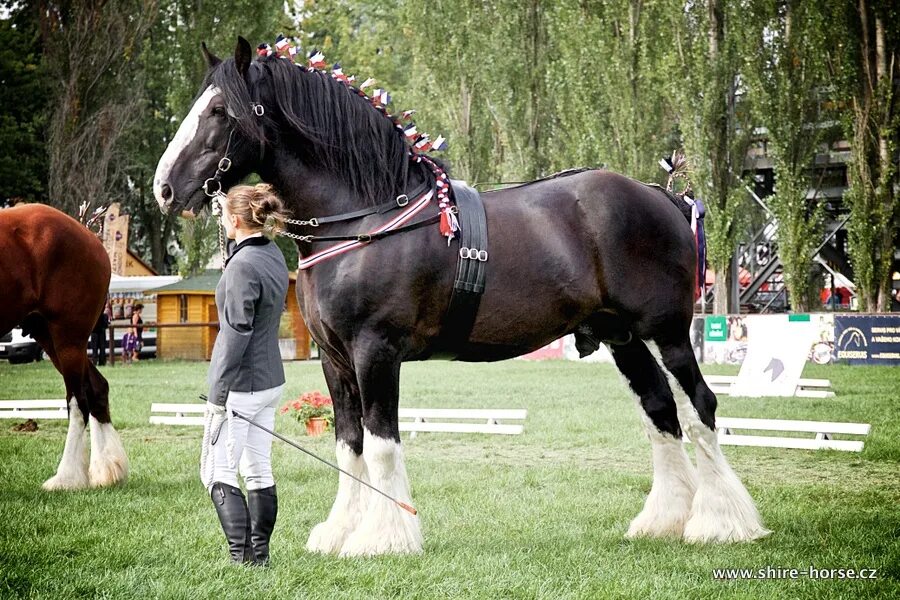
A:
316, 426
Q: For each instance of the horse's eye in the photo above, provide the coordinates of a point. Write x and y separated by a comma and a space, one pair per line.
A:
218, 111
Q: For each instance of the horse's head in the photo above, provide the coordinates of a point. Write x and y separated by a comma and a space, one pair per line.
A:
219, 141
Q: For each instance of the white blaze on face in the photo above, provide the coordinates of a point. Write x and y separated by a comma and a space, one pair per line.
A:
183, 137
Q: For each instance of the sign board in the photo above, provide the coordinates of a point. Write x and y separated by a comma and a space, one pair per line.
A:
716, 330
867, 339
777, 349
115, 238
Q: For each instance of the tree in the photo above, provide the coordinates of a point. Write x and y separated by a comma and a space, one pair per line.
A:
609, 75
90, 55
865, 62
716, 127
23, 108
172, 69
787, 78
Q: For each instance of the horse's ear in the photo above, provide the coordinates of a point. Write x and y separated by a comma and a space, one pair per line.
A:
211, 59
242, 56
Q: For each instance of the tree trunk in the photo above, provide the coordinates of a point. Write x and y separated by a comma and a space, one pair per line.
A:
886, 169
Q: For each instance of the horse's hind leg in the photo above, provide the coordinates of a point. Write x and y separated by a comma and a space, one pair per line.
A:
674, 480
350, 502
109, 463
722, 510
385, 527
72, 473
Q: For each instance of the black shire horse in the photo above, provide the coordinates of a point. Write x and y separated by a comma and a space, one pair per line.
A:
590, 251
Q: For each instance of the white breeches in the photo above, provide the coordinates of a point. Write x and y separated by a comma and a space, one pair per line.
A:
251, 447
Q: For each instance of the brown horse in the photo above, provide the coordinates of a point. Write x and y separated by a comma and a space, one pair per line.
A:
55, 276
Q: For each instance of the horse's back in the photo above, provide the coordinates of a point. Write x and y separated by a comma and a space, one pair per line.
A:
564, 248
48, 260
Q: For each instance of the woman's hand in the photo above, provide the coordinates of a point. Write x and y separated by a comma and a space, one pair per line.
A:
217, 415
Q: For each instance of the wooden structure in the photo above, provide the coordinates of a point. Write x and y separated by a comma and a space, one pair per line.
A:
825, 431
459, 420
135, 267
193, 300
443, 420
806, 388
33, 409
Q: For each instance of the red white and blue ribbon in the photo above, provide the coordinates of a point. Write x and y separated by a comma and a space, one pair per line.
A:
316, 59
698, 211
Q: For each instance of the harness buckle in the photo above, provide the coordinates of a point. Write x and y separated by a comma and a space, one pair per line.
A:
314, 222
482, 255
206, 187
364, 238
258, 109
402, 200
224, 164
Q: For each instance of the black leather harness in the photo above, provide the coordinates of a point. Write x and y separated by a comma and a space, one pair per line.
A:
470, 268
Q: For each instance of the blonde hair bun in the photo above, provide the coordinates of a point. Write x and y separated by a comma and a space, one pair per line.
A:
258, 206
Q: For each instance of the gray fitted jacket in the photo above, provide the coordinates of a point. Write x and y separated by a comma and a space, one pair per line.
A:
250, 298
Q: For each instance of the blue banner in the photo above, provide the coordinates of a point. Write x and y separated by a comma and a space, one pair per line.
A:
867, 339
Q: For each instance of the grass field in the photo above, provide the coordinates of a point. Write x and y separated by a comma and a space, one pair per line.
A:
541, 515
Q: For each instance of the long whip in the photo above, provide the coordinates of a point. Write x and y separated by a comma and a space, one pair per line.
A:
402, 505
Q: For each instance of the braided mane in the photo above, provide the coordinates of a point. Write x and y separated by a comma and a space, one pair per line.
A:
325, 122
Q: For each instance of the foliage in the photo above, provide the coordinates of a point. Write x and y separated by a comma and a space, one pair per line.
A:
716, 120
90, 54
787, 78
864, 62
199, 243
173, 69
23, 109
310, 405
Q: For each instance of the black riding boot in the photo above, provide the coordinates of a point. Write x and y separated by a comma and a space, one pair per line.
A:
263, 511
235, 518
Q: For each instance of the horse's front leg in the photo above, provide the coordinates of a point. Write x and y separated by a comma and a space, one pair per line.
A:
350, 503
385, 528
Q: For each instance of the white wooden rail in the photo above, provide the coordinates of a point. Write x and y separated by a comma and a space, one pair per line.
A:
824, 431
414, 420
33, 409
459, 420
806, 388
184, 414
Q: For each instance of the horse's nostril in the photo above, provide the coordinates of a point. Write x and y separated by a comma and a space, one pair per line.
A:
166, 192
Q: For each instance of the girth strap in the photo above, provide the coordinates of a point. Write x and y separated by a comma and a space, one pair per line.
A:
470, 268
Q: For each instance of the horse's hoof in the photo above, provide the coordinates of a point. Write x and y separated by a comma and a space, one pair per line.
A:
362, 543
658, 525
326, 538
385, 529
69, 483
107, 473
722, 522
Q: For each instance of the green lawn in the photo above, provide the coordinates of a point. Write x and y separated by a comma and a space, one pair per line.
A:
541, 515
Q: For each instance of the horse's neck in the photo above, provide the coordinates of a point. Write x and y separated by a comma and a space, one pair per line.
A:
310, 192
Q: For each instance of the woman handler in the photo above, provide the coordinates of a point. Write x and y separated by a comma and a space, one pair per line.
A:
245, 374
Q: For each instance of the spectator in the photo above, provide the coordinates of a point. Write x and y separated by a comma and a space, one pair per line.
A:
98, 337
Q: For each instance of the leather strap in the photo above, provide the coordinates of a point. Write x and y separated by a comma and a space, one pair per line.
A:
470, 268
